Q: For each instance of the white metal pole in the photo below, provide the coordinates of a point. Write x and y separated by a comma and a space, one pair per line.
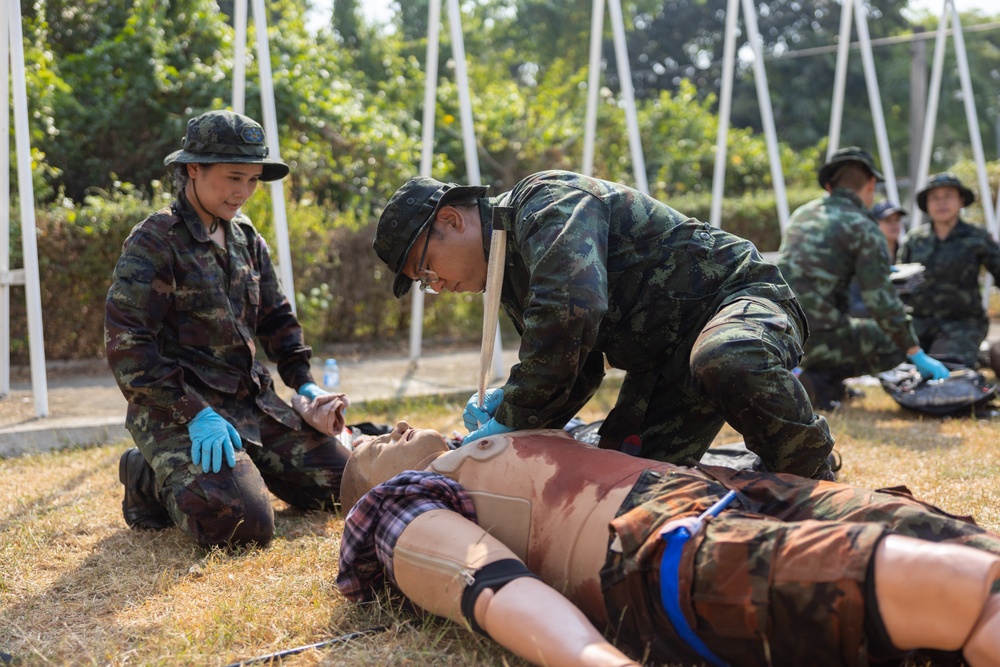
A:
240, 57
464, 94
26, 194
628, 95
593, 85
875, 102
840, 77
274, 150
426, 155
766, 113
725, 106
469, 138
972, 118
5, 206
934, 94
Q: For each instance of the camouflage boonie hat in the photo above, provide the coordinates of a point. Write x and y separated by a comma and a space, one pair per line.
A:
944, 181
226, 137
884, 209
843, 156
413, 207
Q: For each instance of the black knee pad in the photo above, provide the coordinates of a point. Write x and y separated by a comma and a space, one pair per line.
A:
496, 575
230, 508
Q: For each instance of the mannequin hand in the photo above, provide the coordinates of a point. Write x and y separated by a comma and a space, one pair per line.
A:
311, 390
325, 413
929, 367
492, 427
474, 416
211, 438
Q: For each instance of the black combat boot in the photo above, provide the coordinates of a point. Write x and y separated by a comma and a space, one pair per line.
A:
141, 507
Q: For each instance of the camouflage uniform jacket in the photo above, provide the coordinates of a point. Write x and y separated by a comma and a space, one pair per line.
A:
180, 322
951, 286
828, 242
595, 267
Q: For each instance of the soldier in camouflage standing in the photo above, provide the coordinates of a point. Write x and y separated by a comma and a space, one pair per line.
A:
828, 242
707, 331
192, 289
947, 308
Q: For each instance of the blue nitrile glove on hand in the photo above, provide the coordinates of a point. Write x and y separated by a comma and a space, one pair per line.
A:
475, 416
492, 427
311, 390
929, 367
211, 437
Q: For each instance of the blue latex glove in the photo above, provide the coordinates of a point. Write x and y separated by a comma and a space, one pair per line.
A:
929, 367
211, 438
474, 416
492, 427
311, 390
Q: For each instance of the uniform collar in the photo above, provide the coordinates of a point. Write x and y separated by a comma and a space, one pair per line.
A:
186, 212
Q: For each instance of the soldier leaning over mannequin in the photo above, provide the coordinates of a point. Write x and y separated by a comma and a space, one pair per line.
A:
707, 331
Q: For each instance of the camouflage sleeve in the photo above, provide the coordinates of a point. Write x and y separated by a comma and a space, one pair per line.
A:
872, 270
278, 329
141, 294
561, 234
991, 256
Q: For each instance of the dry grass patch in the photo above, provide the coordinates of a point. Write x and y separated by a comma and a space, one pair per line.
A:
77, 587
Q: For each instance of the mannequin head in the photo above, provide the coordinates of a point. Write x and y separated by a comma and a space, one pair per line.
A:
377, 459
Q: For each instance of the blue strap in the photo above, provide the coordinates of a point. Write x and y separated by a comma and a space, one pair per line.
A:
669, 589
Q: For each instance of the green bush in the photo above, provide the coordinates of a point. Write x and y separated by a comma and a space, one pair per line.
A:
78, 246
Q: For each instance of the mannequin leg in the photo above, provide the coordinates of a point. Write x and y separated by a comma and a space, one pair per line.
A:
982, 649
932, 595
437, 557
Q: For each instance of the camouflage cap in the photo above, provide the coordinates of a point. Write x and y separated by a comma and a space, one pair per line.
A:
884, 209
844, 155
411, 208
944, 181
227, 137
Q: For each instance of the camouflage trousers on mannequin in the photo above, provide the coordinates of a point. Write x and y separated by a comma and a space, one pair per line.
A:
783, 571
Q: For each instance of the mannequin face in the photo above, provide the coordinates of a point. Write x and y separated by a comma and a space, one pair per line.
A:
219, 190
381, 458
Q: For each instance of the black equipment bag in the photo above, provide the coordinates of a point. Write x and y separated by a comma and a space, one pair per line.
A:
960, 393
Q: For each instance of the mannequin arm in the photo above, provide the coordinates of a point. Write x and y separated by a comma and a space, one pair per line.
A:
436, 557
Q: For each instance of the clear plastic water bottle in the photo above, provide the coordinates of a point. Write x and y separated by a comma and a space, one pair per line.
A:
331, 374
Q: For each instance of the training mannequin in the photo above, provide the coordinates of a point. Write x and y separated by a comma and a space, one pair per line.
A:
511, 537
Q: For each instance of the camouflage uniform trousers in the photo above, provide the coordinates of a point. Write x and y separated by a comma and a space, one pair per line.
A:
953, 340
861, 348
301, 467
780, 577
740, 373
